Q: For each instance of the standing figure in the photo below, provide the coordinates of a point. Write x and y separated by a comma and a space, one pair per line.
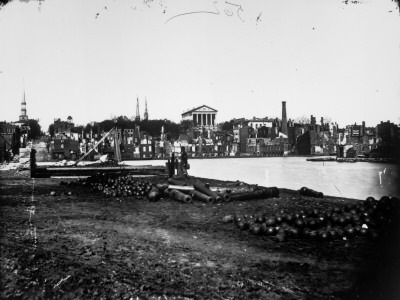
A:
184, 162
33, 159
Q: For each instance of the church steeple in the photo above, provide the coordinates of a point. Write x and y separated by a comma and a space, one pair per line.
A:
146, 114
23, 116
137, 118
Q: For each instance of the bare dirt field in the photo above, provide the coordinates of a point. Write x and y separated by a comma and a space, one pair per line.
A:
89, 246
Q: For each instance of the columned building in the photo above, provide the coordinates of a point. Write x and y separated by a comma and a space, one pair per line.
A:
202, 117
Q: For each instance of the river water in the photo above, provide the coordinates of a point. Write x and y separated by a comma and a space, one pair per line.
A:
351, 180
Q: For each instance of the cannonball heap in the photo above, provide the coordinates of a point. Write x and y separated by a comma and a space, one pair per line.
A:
117, 186
369, 218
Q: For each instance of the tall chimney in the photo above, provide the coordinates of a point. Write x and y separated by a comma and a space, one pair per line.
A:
284, 119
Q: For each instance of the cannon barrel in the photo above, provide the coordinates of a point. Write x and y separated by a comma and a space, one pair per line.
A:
201, 197
154, 194
259, 194
224, 196
177, 195
304, 191
198, 186
166, 192
161, 187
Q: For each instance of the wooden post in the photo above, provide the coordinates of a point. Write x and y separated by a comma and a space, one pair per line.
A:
172, 166
179, 168
33, 162
117, 149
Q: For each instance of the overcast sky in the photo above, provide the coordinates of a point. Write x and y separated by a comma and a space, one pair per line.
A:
91, 59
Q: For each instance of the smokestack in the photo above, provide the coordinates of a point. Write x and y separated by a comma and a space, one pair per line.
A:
363, 128
313, 122
284, 119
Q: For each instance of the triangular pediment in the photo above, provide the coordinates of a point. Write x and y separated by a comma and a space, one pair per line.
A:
201, 109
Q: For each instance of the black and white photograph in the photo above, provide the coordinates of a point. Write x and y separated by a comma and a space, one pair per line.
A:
200, 149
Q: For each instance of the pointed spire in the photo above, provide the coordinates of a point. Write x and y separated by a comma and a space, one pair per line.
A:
23, 98
137, 118
23, 116
146, 114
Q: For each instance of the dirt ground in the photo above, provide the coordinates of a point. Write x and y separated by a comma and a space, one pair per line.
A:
89, 246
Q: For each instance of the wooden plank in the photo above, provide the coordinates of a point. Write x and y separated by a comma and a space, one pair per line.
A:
83, 177
68, 171
128, 168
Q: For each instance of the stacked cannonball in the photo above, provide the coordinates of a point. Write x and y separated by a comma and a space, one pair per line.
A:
117, 186
369, 218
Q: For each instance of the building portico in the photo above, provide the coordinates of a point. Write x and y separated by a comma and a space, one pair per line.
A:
202, 116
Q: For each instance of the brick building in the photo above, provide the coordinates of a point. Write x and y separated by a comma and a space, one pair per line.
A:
63, 126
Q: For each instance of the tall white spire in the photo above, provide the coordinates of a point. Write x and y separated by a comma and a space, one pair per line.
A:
137, 118
146, 113
23, 116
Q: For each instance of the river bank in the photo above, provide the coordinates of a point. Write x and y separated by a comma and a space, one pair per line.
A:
354, 180
307, 158
80, 244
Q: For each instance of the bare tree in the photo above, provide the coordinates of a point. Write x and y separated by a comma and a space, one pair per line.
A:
327, 119
303, 119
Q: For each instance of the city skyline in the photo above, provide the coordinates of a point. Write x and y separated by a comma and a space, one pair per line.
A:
92, 59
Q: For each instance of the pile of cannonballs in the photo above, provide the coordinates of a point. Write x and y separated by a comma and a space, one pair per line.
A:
370, 218
117, 186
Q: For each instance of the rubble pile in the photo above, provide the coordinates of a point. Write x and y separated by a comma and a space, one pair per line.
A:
369, 218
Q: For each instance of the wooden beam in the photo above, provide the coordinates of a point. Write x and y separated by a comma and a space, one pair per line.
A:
86, 171
102, 139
